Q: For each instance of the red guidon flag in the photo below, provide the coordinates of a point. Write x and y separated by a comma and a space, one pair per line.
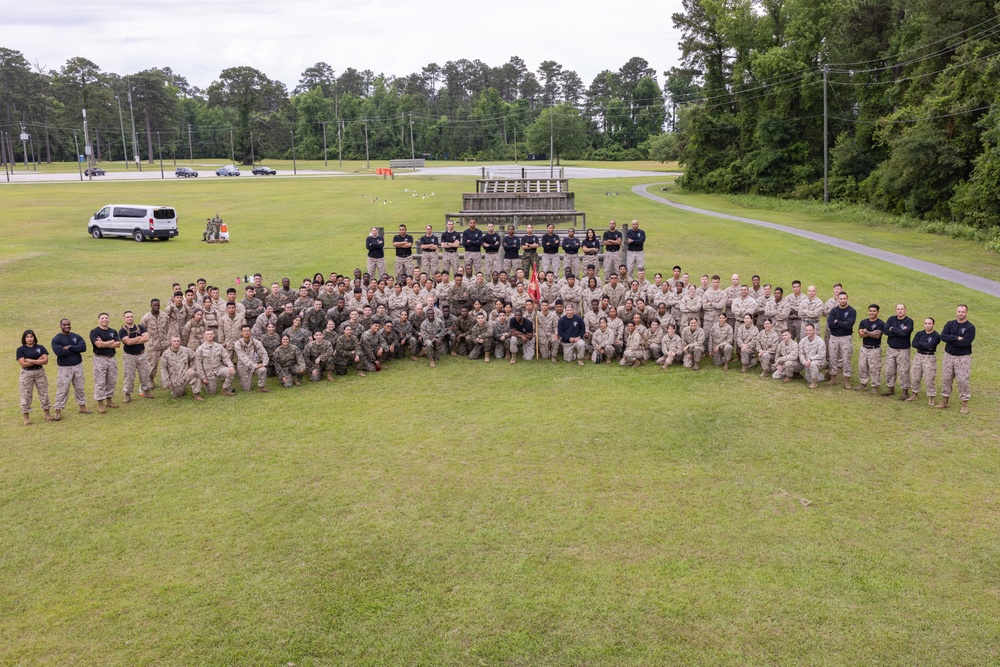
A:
533, 291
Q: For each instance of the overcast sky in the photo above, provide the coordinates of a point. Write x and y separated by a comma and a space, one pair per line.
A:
200, 38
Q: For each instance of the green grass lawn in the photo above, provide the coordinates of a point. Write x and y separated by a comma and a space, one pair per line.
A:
876, 231
474, 514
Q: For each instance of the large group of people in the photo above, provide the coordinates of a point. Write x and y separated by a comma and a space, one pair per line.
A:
481, 309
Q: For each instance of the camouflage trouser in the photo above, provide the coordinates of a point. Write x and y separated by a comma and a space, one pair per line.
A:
528, 349
376, 267
547, 348
923, 367
573, 351
410, 344
404, 265
528, 260
636, 260
428, 263
655, 351
550, 262
897, 362
34, 380
814, 371
608, 353
780, 326
492, 263
247, 373
449, 262
479, 349
956, 368
66, 376
795, 326
766, 361
475, 258
510, 266
724, 354
190, 378
611, 261
692, 356
153, 359
841, 350
431, 350
870, 364
133, 364
225, 373
630, 356
748, 358
105, 377
787, 369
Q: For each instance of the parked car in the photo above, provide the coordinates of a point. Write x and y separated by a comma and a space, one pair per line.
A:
138, 221
261, 170
228, 170
185, 172
94, 171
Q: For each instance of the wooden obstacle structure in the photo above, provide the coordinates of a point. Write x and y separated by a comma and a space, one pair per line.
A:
519, 201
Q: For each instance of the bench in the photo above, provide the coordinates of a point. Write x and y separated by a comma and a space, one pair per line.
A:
417, 163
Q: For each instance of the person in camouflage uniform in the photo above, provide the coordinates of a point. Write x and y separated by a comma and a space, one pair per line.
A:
812, 355
296, 334
786, 358
251, 360
432, 338
289, 364
478, 339
693, 340
252, 306
746, 340
345, 352
212, 362
720, 341
270, 340
463, 325
672, 347
314, 318
407, 335
371, 349
767, 346
177, 370
635, 347
318, 356
391, 340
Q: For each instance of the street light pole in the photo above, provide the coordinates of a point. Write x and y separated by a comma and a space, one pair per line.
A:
413, 154
552, 141
190, 150
340, 143
253, 159
368, 164
295, 169
135, 136
324, 144
79, 166
86, 146
24, 141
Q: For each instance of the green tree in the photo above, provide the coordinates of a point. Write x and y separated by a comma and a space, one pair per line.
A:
566, 128
243, 93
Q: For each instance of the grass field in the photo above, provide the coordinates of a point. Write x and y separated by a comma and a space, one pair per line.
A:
877, 230
473, 514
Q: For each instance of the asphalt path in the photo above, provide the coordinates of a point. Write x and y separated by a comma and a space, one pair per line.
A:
975, 282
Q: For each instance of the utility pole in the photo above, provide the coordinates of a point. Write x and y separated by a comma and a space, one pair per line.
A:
24, 141
826, 148
253, 158
340, 142
86, 146
324, 144
295, 169
3, 154
232, 150
190, 150
368, 164
76, 143
552, 141
413, 154
34, 160
159, 147
135, 136
515, 143
121, 122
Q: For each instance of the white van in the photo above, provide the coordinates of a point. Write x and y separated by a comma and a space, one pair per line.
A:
138, 221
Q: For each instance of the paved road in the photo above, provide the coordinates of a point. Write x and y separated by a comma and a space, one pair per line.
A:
978, 283
208, 172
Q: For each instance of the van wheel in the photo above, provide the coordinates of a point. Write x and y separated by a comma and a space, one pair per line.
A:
138, 236
96, 232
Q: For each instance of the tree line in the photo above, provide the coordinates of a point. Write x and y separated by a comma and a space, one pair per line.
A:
907, 89
463, 109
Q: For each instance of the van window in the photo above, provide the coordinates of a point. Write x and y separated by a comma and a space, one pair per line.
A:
103, 213
126, 212
164, 214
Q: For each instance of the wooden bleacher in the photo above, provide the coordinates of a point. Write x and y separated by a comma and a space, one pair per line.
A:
517, 201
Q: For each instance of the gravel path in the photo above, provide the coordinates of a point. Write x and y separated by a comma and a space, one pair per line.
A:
978, 283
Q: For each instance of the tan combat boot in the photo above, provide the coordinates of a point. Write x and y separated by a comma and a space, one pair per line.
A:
943, 404
58, 416
84, 411
487, 357
912, 396
27, 419
965, 408
48, 416
110, 403
904, 396
100, 407
127, 399
329, 376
